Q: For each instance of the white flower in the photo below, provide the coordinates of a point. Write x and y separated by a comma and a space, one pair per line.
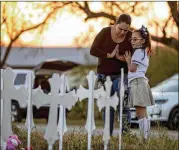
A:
14, 142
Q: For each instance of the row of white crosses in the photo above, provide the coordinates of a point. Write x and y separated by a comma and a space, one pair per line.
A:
54, 99
26, 96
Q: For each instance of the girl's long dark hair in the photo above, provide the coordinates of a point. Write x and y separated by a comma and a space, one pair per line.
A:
145, 34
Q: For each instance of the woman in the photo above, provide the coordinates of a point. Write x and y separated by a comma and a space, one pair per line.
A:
140, 92
112, 42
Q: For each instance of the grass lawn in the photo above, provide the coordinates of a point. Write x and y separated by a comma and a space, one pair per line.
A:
82, 122
78, 141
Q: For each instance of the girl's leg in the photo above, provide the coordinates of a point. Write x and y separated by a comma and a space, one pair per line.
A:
144, 123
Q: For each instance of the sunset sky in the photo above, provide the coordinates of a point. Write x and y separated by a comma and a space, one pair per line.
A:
67, 26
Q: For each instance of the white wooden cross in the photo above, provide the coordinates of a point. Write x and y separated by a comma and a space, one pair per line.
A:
121, 106
90, 94
10, 92
62, 128
54, 98
29, 118
1, 107
106, 101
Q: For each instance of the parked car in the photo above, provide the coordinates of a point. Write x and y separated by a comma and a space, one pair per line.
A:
166, 108
43, 72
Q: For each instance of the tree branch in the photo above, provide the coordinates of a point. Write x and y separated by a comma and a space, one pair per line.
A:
91, 15
28, 29
174, 11
134, 6
118, 6
3, 16
165, 26
100, 14
172, 42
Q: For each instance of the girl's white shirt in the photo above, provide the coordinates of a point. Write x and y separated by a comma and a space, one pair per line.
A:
142, 62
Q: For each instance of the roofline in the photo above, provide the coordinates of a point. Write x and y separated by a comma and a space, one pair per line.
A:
21, 67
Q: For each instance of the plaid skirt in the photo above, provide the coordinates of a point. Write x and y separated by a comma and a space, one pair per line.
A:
140, 93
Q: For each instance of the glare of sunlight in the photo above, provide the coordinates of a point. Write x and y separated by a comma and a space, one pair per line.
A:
137, 22
21, 5
161, 10
63, 31
27, 37
95, 6
5, 39
27, 9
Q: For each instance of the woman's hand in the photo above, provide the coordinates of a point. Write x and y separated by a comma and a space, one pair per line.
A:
127, 57
113, 54
120, 57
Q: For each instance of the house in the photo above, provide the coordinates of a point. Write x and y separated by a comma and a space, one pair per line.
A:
29, 57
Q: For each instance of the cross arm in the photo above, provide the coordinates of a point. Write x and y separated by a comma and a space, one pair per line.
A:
101, 103
107, 101
22, 98
114, 101
99, 92
39, 97
68, 99
82, 93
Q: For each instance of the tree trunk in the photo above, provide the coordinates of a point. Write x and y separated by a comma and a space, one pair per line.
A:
8, 49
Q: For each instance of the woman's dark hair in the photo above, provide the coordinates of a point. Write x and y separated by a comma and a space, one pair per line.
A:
145, 35
124, 18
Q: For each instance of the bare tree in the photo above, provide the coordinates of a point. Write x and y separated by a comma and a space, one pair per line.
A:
112, 9
16, 22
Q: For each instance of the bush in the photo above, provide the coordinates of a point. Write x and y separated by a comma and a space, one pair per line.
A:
162, 65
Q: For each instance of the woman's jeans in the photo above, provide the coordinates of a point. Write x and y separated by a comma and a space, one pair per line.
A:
126, 117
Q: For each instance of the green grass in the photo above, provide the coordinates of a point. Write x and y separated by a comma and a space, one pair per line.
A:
78, 141
70, 122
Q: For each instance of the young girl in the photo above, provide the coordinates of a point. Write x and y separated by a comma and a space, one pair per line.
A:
140, 93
